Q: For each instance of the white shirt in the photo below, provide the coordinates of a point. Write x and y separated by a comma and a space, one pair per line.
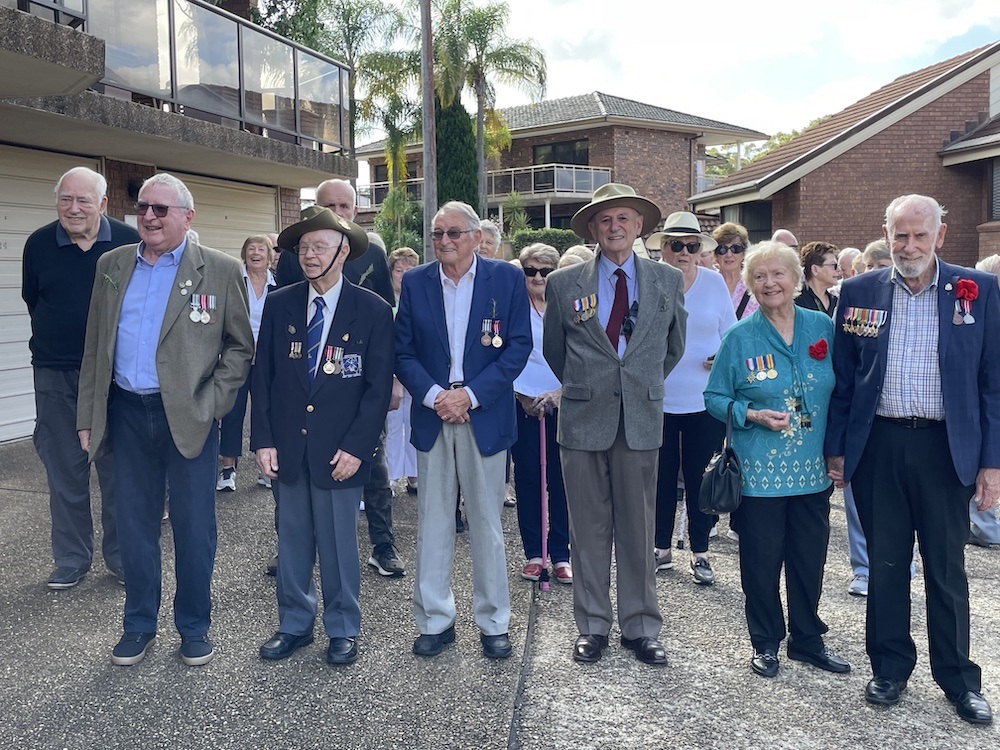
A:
457, 308
332, 299
537, 377
257, 303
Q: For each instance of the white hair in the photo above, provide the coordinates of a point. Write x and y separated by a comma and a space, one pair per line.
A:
914, 202
96, 178
184, 197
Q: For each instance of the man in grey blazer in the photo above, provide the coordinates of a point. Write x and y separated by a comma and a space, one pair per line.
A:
614, 329
168, 345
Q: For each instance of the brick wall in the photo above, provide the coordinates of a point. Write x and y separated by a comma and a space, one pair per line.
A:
657, 164
124, 180
289, 207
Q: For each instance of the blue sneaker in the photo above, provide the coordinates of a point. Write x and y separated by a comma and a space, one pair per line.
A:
64, 577
132, 648
196, 650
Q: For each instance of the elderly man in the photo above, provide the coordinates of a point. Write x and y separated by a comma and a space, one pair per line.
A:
491, 239
322, 379
370, 269
59, 265
462, 335
614, 329
786, 237
845, 261
915, 428
168, 346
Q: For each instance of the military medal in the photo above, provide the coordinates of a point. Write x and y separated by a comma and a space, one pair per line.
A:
296, 350
486, 339
963, 311
585, 307
336, 361
497, 341
328, 366
195, 314
771, 372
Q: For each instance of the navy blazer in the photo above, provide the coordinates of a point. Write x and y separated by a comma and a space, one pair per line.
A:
968, 355
423, 357
345, 411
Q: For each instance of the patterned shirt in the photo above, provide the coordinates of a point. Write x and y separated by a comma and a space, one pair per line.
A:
912, 384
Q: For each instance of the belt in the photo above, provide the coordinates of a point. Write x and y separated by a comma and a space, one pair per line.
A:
456, 385
912, 423
137, 398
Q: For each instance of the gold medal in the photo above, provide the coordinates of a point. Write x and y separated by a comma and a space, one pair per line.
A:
772, 374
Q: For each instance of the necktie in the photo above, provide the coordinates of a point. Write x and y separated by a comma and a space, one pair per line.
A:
619, 309
314, 333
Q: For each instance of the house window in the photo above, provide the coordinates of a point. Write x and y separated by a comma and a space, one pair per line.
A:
566, 152
756, 217
381, 171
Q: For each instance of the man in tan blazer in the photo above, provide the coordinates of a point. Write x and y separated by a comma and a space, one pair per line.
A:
168, 345
614, 329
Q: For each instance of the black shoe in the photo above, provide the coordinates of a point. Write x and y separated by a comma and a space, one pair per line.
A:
64, 577
272, 566
496, 646
588, 648
283, 645
972, 707
647, 650
196, 650
765, 663
132, 648
884, 691
824, 659
386, 562
459, 524
117, 572
432, 645
342, 651
702, 572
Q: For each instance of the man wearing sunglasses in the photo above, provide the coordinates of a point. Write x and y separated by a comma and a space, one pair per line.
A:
614, 329
168, 346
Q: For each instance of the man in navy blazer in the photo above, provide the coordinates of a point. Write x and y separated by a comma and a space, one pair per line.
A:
322, 383
915, 428
462, 335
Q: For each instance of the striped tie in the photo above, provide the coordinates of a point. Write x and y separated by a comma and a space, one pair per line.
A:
314, 335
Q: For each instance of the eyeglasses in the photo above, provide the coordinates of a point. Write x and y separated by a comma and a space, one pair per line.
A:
830, 265
453, 234
736, 248
315, 249
533, 272
159, 210
692, 247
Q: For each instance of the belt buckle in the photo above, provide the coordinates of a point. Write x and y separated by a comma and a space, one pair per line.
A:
456, 385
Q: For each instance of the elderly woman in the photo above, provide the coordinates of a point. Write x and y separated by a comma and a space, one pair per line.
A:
690, 433
490, 243
537, 391
732, 241
257, 255
774, 370
400, 455
822, 272
877, 255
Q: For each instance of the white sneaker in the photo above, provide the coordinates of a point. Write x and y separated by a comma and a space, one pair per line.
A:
858, 586
264, 481
664, 558
714, 532
227, 480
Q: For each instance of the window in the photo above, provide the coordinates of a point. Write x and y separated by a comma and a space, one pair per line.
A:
567, 152
380, 172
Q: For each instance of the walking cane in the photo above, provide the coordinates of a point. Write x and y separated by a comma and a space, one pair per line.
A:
543, 579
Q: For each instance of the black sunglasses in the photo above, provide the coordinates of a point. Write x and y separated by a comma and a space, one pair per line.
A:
736, 249
692, 247
159, 210
532, 272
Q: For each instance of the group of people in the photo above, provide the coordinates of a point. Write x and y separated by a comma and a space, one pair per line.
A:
616, 370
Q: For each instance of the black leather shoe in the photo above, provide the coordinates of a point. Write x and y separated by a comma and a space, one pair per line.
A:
342, 650
824, 659
496, 646
884, 691
432, 645
972, 707
283, 645
647, 650
765, 663
588, 648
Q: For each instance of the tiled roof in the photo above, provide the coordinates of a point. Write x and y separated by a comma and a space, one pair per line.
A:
836, 125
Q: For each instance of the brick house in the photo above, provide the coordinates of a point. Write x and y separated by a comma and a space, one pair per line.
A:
564, 148
935, 131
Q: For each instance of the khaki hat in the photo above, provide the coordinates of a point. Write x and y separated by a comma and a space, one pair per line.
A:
681, 224
608, 196
317, 217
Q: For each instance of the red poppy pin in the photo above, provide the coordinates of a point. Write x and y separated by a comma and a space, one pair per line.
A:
818, 350
966, 289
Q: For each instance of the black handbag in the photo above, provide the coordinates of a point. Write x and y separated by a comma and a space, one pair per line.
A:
722, 484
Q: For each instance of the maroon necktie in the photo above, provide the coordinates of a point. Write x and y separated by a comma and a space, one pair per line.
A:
619, 309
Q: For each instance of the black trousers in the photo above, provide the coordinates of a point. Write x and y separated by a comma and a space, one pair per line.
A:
791, 531
905, 486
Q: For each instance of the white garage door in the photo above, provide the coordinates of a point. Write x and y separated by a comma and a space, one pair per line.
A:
27, 179
226, 213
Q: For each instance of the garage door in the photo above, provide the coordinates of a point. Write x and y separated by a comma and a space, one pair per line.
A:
226, 213
26, 202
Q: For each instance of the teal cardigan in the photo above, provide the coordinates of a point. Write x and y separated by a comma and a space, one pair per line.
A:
790, 461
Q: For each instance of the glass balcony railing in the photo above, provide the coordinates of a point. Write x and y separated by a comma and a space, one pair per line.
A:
72, 13
187, 57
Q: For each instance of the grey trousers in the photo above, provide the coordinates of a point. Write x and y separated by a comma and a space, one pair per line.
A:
612, 498
453, 463
68, 472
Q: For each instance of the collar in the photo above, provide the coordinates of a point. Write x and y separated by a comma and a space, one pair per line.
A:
174, 255
896, 279
608, 268
331, 297
270, 276
471, 272
103, 233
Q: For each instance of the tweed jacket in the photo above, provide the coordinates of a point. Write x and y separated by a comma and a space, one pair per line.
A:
200, 366
597, 386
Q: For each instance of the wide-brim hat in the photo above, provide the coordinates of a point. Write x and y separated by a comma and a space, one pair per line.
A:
608, 196
681, 224
317, 217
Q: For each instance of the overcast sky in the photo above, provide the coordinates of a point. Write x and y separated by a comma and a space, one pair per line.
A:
771, 66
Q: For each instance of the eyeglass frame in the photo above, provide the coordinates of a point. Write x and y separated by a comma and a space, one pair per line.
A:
533, 272
453, 234
160, 210
678, 247
299, 250
721, 249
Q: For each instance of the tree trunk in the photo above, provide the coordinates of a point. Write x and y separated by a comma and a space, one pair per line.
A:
429, 134
481, 144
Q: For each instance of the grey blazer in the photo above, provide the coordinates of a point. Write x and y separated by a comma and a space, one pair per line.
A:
200, 367
597, 386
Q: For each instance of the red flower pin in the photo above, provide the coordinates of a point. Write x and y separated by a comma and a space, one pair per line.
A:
966, 289
818, 350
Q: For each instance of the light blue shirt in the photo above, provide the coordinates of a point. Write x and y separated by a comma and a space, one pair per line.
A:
141, 318
606, 283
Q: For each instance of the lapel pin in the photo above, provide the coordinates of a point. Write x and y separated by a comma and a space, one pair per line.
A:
948, 287
346, 337
291, 329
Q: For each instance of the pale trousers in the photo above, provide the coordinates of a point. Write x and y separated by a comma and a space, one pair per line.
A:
454, 463
400, 455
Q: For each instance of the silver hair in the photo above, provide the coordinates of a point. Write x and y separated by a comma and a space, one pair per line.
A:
490, 228
184, 197
990, 264
914, 201
97, 179
766, 251
848, 252
540, 252
463, 209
